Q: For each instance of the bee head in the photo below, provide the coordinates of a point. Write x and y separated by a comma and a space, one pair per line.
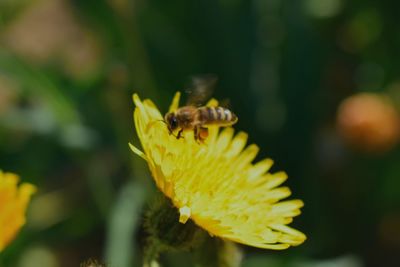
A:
172, 121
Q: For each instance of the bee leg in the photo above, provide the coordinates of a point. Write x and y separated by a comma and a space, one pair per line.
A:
196, 133
179, 136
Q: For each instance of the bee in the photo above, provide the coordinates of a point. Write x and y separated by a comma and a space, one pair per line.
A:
198, 118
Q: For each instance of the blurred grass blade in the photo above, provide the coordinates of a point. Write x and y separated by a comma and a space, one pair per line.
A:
125, 216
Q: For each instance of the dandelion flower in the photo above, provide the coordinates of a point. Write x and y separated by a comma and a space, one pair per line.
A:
13, 202
216, 184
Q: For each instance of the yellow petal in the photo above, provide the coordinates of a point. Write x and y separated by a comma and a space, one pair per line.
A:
14, 200
175, 102
212, 103
137, 151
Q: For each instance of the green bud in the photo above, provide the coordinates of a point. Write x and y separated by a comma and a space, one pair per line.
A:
165, 231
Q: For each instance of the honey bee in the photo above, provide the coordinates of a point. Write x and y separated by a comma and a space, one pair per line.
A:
198, 118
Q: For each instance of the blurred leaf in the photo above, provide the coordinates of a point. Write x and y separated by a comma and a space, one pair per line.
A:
38, 83
125, 217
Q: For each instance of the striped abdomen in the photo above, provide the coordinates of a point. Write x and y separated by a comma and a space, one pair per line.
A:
217, 115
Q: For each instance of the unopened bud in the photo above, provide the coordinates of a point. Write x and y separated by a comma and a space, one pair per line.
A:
166, 232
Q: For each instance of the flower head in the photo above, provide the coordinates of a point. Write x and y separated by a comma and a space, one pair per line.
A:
13, 202
216, 184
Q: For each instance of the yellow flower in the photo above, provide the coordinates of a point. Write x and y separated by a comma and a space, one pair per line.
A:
13, 203
216, 184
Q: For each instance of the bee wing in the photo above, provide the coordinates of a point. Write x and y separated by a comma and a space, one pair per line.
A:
200, 89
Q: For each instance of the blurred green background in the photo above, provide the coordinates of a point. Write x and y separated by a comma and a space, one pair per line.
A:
68, 70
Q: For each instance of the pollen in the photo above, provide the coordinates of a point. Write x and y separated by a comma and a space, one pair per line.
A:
215, 183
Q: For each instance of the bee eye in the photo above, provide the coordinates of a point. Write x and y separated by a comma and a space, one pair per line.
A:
174, 122
171, 121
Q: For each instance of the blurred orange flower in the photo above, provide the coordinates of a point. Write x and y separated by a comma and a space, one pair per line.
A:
369, 121
13, 202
